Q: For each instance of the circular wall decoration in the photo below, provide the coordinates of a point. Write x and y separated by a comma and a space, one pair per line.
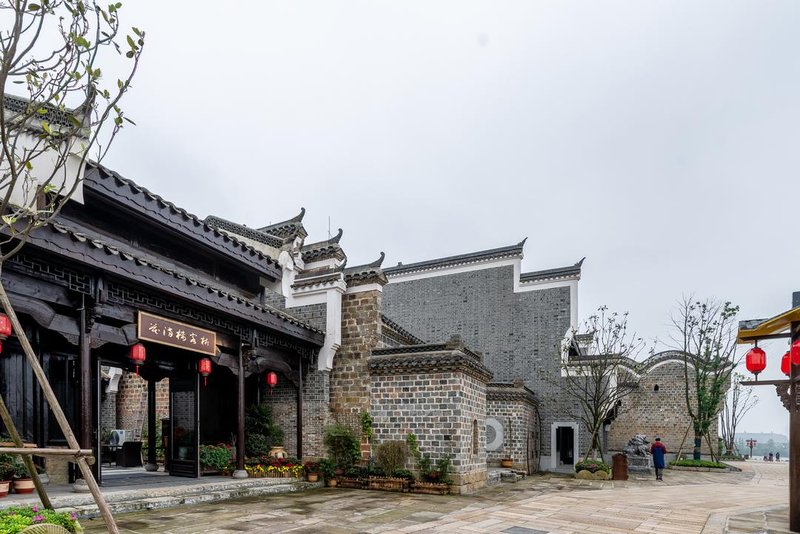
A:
494, 434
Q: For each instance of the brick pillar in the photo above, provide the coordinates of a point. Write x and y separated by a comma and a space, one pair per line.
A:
350, 379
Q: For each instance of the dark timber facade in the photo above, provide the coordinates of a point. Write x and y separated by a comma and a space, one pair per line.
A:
79, 285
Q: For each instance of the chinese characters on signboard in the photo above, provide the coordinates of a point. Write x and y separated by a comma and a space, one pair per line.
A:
175, 334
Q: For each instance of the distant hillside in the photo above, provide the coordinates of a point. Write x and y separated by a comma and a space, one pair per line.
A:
762, 437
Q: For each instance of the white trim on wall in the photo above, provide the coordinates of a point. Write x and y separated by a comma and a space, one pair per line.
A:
364, 288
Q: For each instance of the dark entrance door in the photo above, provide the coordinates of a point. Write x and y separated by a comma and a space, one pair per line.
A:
565, 443
184, 419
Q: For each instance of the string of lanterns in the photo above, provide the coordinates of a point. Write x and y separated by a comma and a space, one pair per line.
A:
756, 359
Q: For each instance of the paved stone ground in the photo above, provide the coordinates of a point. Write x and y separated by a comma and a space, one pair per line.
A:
685, 503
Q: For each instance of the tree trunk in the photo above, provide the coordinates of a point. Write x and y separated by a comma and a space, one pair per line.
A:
698, 443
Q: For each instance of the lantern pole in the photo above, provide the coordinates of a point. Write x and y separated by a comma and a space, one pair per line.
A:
794, 440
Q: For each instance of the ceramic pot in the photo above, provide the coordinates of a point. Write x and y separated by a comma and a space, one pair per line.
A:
5, 486
331, 482
506, 462
23, 486
313, 477
277, 452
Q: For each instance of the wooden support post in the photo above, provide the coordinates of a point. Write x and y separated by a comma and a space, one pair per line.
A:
794, 442
27, 458
58, 413
241, 473
300, 408
152, 462
86, 380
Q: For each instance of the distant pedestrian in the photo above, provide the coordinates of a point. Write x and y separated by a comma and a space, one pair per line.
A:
777, 457
770, 457
659, 452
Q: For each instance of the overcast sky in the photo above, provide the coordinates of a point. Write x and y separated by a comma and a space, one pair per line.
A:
658, 139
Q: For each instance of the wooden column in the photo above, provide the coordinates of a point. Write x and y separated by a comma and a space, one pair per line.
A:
794, 442
240, 472
300, 407
86, 379
152, 462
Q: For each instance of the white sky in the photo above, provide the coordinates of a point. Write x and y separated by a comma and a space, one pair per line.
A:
658, 139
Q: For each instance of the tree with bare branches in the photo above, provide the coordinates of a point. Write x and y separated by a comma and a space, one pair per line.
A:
596, 371
705, 332
59, 107
738, 402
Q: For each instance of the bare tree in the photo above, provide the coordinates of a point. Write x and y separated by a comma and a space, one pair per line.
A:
738, 402
64, 110
596, 371
705, 332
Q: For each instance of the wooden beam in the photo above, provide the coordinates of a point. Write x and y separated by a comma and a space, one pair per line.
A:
44, 451
240, 414
299, 407
794, 441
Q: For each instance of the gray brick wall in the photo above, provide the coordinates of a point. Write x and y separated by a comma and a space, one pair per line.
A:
519, 333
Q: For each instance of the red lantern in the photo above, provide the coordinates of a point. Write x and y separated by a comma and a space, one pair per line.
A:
756, 360
5, 326
795, 351
785, 364
272, 380
204, 368
138, 355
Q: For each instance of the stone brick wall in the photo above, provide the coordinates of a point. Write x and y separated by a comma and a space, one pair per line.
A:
514, 408
349, 378
442, 404
660, 412
131, 404
518, 333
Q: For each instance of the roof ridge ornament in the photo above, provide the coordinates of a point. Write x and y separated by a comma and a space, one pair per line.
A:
299, 216
377, 263
337, 237
522, 243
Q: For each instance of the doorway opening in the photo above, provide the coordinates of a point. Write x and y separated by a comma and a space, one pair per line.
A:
564, 444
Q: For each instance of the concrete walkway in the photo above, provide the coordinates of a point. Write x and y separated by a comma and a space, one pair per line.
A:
687, 502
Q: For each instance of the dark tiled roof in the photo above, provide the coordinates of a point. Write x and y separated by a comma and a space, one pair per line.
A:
508, 391
462, 259
560, 273
318, 277
401, 333
366, 274
192, 286
324, 250
53, 115
241, 230
110, 184
288, 230
431, 358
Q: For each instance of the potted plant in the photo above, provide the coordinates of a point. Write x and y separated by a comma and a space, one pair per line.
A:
312, 471
7, 472
23, 483
328, 472
342, 446
215, 458
507, 462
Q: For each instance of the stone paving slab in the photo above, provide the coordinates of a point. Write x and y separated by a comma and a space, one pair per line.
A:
685, 503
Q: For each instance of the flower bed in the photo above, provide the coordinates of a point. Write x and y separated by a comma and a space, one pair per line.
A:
18, 518
697, 463
275, 468
388, 483
350, 482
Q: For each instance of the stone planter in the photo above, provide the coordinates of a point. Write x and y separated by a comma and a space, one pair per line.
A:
23, 486
430, 488
388, 484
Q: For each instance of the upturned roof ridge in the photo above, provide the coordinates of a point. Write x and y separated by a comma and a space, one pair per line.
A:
557, 272
448, 261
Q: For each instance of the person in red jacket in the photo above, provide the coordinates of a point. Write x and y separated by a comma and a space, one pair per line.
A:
659, 452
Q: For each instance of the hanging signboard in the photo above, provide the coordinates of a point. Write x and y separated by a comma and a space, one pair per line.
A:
176, 334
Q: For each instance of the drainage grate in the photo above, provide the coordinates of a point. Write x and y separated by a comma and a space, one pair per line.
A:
525, 530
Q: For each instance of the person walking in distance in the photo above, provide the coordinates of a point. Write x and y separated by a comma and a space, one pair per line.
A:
659, 452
